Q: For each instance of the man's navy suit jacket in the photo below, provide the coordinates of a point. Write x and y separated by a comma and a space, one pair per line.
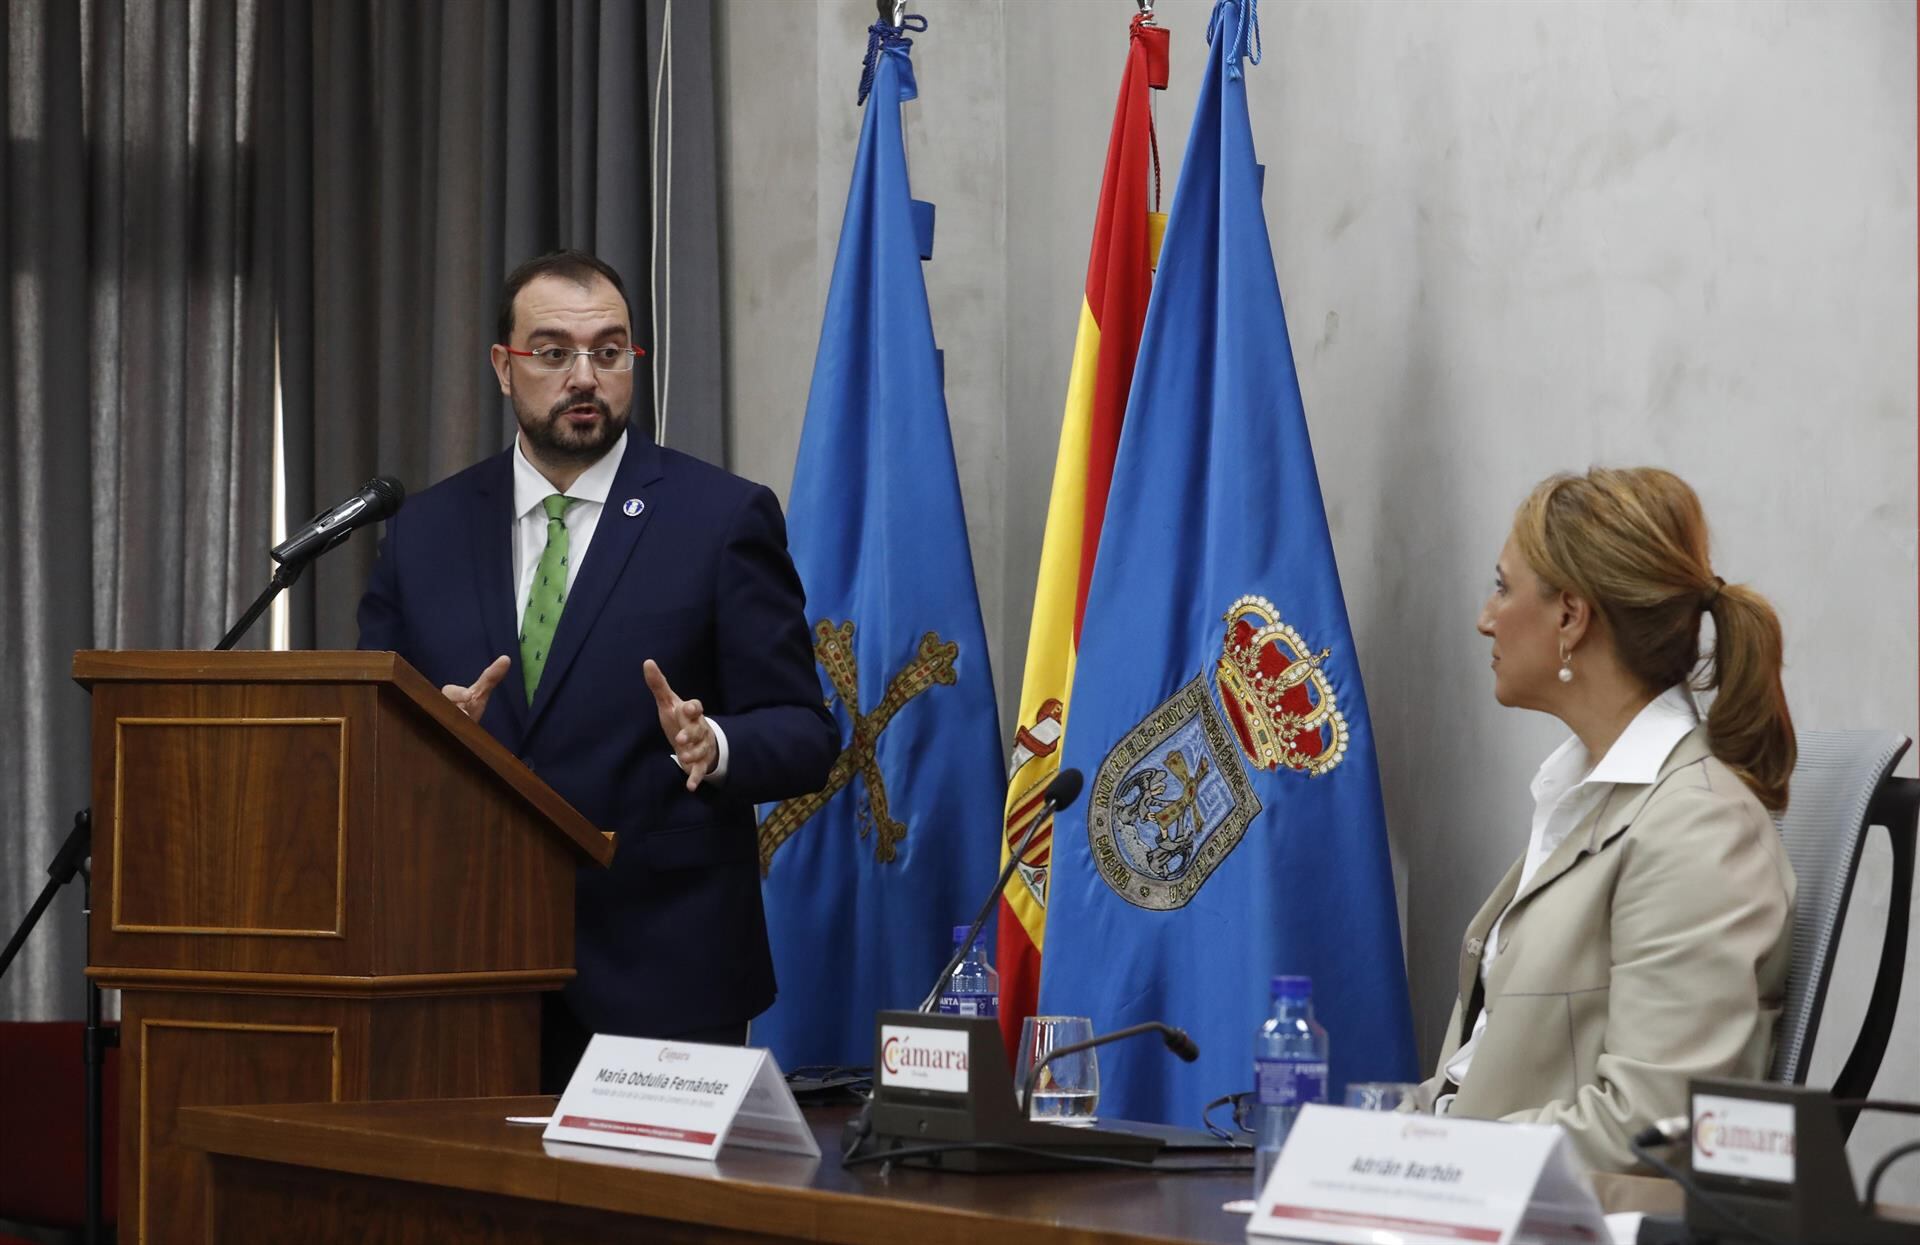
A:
672, 938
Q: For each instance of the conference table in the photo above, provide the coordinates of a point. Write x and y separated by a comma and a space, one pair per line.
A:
456, 1171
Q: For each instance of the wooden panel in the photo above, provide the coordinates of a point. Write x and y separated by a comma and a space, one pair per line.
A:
406, 876
289, 803
296, 1206
403, 1173
92, 667
173, 672
469, 1155
466, 879
230, 826
446, 870
455, 1047
1647, 1195
356, 987
187, 1049
189, 1062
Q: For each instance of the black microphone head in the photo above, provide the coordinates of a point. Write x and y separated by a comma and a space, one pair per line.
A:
1180, 1044
384, 495
1064, 789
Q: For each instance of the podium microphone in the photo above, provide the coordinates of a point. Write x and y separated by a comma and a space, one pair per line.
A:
377, 499
1176, 1039
1061, 793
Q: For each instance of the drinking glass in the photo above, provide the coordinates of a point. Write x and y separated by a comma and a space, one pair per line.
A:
1068, 1090
1378, 1095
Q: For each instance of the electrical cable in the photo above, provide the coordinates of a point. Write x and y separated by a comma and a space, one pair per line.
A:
1004, 1147
1880, 1169
662, 210
1878, 1104
1695, 1193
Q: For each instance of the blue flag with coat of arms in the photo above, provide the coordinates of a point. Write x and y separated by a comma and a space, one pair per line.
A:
1232, 827
865, 880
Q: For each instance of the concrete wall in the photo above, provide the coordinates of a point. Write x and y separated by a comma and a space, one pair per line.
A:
1513, 239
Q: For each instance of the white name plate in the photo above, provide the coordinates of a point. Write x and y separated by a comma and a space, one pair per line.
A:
1745, 1137
1367, 1176
681, 1098
912, 1057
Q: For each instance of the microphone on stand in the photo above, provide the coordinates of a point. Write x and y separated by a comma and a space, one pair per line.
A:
1176, 1039
377, 499
1061, 793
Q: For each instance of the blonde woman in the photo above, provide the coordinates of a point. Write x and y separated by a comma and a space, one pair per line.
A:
1643, 936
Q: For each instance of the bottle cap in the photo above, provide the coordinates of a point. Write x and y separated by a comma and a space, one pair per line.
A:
983, 941
1290, 987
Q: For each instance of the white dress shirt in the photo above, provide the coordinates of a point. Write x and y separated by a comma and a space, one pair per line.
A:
1566, 789
530, 492
589, 492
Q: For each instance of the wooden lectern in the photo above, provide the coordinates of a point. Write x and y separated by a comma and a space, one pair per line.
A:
313, 880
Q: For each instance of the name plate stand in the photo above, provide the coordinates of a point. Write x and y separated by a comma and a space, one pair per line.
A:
1776, 1155
1360, 1176
943, 1081
682, 1098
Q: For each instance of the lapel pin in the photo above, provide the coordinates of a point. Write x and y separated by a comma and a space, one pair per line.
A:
633, 507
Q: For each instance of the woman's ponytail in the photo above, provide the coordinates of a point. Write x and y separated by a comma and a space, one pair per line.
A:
1748, 725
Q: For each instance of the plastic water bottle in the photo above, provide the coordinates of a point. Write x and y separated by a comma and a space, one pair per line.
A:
974, 988
1289, 1070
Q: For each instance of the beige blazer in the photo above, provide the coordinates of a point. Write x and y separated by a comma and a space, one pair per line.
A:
1652, 946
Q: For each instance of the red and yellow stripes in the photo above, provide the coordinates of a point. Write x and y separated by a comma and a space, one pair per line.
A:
1126, 235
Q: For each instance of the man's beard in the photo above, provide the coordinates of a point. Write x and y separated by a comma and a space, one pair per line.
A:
555, 440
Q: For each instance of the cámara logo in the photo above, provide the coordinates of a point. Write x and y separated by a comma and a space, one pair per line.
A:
899, 1053
1711, 1135
670, 1055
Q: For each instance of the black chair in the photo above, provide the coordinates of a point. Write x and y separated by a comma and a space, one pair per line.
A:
1843, 785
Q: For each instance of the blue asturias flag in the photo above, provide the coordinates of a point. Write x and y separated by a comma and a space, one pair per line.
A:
1232, 826
865, 881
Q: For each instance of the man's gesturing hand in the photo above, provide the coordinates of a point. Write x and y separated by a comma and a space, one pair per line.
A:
685, 725
473, 700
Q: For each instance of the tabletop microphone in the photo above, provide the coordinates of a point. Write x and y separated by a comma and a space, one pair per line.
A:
1061, 792
1176, 1039
377, 499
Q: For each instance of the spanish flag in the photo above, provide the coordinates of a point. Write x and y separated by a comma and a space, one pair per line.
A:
1126, 240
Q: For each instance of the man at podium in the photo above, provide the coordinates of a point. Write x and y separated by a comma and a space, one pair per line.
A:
627, 620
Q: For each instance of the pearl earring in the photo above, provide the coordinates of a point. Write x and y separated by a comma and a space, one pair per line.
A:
1566, 665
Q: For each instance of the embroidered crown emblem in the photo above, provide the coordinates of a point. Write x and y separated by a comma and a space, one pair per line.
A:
1276, 693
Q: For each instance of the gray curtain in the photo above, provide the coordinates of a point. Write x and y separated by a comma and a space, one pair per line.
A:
182, 323
689, 363
44, 381
426, 149
136, 371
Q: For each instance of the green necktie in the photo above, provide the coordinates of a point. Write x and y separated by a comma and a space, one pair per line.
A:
548, 596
